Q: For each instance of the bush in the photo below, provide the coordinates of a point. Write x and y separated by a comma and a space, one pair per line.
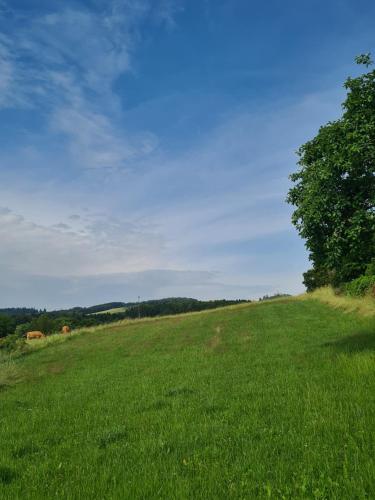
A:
361, 286
22, 329
13, 343
317, 278
45, 323
370, 269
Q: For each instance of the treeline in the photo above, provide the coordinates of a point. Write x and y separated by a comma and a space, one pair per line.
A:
20, 311
15, 322
95, 309
180, 305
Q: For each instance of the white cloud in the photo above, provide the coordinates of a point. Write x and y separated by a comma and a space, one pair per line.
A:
167, 10
95, 143
67, 60
99, 259
55, 293
12, 93
233, 185
6, 71
101, 245
92, 46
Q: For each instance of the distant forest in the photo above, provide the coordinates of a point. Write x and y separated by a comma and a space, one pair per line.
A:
19, 320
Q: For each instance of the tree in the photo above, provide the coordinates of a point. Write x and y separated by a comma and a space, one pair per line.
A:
44, 323
22, 329
334, 188
7, 325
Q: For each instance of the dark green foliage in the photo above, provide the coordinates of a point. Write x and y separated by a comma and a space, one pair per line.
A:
18, 319
22, 329
164, 307
105, 307
44, 323
316, 278
20, 312
7, 325
360, 286
363, 285
370, 269
93, 309
7, 475
334, 189
12, 343
364, 59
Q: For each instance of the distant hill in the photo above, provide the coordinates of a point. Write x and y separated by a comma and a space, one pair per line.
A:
174, 305
20, 311
26, 319
103, 307
114, 310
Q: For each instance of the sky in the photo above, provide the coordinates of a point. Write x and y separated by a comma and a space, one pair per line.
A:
145, 145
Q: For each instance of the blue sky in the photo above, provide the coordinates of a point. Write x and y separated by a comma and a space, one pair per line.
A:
146, 145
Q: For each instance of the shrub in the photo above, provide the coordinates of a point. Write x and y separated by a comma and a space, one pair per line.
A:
361, 286
22, 329
370, 269
13, 343
45, 324
317, 278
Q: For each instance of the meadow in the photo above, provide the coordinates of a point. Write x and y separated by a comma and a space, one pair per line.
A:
114, 310
267, 400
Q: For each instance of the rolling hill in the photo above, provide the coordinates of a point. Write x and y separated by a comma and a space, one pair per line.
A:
267, 400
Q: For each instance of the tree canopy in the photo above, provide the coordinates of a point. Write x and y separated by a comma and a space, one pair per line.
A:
334, 188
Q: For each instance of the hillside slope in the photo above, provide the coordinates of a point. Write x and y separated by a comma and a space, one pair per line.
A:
268, 400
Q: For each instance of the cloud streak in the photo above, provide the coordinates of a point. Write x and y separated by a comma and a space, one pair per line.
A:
74, 57
58, 292
97, 245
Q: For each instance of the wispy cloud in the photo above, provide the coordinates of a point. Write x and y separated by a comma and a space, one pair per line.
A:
167, 11
6, 72
95, 258
57, 292
95, 244
94, 48
13, 92
94, 142
66, 63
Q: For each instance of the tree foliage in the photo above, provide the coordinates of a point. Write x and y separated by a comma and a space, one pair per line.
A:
7, 325
334, 188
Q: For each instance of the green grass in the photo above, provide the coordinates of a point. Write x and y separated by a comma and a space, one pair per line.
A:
115, 310
272, 400
364, 306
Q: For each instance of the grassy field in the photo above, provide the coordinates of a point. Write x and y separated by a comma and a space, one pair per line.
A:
115, 310
268, 400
